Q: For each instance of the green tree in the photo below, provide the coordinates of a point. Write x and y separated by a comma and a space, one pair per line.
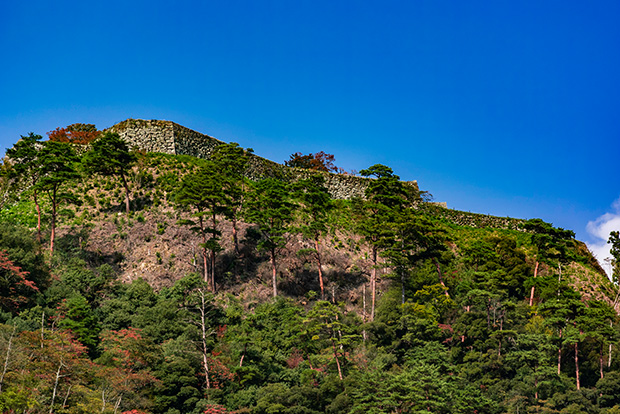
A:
324, 323
110, 156
76, 315
385, 195
57, 161
23, 252
24, 156
232, 161
315, 204
269, 207
551, 244
201, 192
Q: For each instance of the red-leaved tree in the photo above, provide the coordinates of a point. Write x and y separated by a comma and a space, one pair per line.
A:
75, 134
14, 286
318, 162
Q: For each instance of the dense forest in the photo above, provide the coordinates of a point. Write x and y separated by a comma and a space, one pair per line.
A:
135, 282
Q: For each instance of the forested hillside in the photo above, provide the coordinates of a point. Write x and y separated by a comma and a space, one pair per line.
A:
134, 282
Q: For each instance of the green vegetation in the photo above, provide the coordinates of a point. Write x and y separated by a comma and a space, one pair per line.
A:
376, 305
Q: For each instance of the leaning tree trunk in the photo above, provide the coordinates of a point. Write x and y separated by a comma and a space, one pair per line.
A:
203, 327
318, 259
38, 207
126, 193
274, 278
601, 359
440, 275
577, 364
560, 354
53, 232
533, 287
373, 283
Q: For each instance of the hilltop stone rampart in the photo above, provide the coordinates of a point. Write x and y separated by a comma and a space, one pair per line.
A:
170, 138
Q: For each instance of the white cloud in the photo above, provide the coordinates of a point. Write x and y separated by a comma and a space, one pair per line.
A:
599, 229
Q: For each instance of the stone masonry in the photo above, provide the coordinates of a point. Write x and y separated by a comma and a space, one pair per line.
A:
170, 138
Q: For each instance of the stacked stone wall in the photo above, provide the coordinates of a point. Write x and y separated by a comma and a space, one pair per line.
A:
151, 136
189, 142
170, 138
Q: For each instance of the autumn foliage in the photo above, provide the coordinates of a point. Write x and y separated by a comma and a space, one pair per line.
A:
14, 287
318, 162
75, 134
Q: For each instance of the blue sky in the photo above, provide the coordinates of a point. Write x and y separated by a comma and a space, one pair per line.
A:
497, 107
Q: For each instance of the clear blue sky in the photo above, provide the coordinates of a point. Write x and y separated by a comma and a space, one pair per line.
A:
501, 107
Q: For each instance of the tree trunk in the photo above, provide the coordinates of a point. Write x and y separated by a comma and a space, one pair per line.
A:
212, 254
234, 234
204, 252
55, 390
64, 402
38, 207
336, 357
601, 359
533, 287
274, 277
103, 400
373, 283
214, 222
126, 193
402, 287
440, 275
318, 259
364, 316
560, 354
243, 355
53, 233
118, 403
8, 355
577, 364
203, 327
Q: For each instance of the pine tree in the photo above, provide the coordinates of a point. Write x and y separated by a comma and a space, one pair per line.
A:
110, 156
201, 193
269, 207
57, 161
315, 206
24, 156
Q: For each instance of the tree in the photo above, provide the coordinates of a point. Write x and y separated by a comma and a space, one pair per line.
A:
551, 244
57, 162
270, 208
23, 252
75, 134
324, 322
202, 193
110, 156
315, 205
232, 161
385, 195
318, 162
198, 302
24, 156
124, 372
15, 287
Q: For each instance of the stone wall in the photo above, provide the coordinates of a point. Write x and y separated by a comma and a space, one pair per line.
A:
170, 138
467, 219
151, 136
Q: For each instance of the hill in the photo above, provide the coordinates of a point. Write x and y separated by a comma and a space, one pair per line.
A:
236, 283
